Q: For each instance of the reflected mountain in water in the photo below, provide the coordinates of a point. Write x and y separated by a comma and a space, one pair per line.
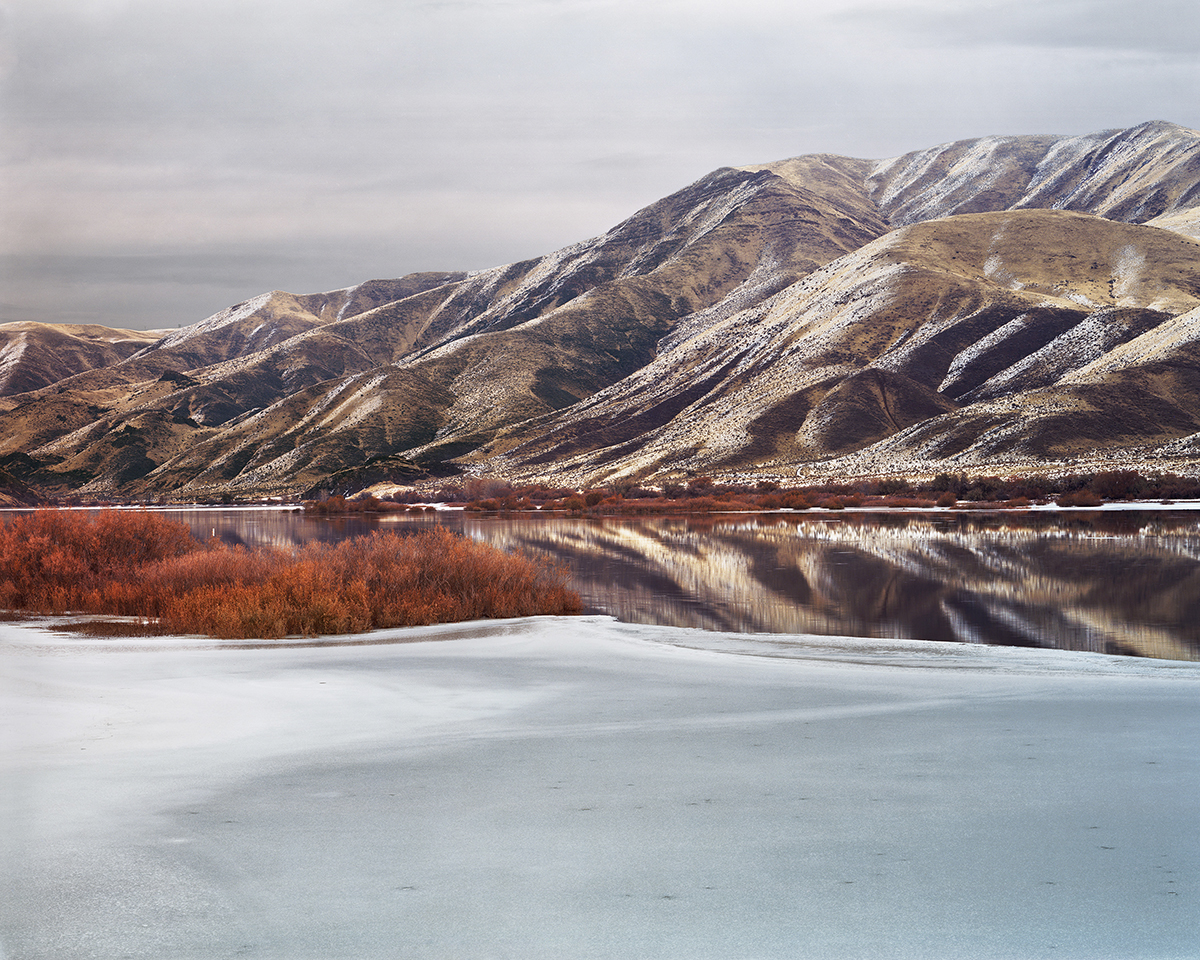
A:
1126, 583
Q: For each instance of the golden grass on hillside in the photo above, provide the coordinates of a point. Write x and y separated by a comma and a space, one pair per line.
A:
138, 565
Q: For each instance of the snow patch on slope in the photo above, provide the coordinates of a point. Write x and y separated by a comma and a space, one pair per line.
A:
763, 282
696, 224
1053, 172
1114, 171
227, 317
975, 172
280, 466
357, 406
1084, 344
994, 268
349, 295
1131, 162
1128, 270
71, 443
554, 267
1168, 338
477, 401
11, 354
981, 347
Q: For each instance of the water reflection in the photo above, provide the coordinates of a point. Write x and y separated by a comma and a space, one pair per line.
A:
1110, 582
1110, 586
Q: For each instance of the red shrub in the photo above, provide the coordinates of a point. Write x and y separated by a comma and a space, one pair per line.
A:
147, 567
1080, 498
895, 500
50, 559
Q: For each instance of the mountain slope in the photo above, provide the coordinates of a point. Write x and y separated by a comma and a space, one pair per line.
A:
924, 326
272, 318
35, 355
985, 299
477, 352
1131, 175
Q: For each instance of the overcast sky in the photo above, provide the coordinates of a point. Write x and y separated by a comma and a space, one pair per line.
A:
162, 159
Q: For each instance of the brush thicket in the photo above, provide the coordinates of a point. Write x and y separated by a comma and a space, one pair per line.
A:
140, 565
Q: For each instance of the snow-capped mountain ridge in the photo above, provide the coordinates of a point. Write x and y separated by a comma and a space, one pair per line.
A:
998, 300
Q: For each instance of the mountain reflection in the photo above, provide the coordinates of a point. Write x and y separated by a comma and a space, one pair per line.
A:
1122, 582
1111, 584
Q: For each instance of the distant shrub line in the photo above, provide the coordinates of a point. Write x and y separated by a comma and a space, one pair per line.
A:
142, 566
705, 495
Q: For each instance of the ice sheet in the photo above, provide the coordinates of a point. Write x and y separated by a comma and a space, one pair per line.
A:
584, 788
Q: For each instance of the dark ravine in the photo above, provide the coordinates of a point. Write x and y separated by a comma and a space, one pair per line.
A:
1007, 304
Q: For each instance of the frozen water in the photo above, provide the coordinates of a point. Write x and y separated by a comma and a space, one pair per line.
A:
584, 788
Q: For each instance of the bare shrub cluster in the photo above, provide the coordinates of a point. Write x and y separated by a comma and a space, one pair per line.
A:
142, 566
338, 505
703, 494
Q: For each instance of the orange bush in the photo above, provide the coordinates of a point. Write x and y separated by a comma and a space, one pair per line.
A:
140, 565
1080, 498
50, 559
895, 500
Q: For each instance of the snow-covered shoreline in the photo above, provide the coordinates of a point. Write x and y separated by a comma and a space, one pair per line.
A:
55, 634
578, 787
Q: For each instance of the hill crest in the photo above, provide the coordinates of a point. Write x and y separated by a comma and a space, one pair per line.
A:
992, 300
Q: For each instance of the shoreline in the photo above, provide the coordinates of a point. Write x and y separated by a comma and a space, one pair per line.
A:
51, 634
439, 507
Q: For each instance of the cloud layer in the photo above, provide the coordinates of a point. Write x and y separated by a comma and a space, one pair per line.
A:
163, 158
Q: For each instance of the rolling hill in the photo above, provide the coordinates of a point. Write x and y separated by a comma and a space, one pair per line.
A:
1007, 303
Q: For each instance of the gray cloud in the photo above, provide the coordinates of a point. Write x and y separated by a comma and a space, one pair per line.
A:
202, 152
1164, 27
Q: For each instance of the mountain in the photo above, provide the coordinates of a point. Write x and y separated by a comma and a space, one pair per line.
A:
1130, 175
34, 355
1020, 303
976, 339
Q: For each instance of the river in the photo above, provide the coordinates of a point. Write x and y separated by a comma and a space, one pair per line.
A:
1124, 582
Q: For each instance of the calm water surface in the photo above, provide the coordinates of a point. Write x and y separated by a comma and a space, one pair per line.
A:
1121, 582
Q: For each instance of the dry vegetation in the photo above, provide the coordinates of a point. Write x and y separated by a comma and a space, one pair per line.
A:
703, 494
141, 566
